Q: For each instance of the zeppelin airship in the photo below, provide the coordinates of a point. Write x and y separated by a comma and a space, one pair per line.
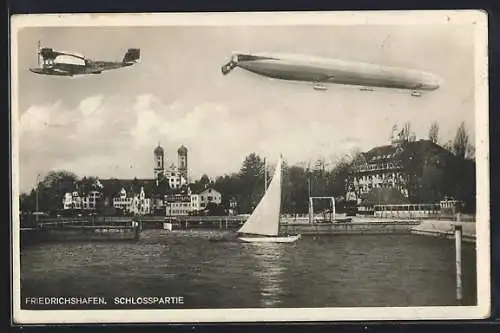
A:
320, 71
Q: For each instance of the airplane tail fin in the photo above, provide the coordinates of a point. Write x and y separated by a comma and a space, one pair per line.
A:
132, 55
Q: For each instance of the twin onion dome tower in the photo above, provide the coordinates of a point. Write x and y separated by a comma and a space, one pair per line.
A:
159, 161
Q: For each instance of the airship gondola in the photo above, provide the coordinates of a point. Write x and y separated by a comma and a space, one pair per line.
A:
319, 71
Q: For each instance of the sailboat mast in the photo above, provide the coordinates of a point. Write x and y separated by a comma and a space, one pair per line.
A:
309, 202
265, 175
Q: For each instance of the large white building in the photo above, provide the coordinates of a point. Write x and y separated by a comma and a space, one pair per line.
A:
208, 195
181, 205
73, 200
181, 208
177, 204
175, 177
134, 203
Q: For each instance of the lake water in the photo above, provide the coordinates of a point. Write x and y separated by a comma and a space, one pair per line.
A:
316, 271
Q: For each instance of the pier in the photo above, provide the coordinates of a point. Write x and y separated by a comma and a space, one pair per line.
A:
446, 229
288, 225
350, 228
81, 229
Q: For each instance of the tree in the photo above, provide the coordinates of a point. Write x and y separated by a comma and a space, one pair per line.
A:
251, 179
52, 188
394, 132
201, 184
448, 146
204, 180
27, 201
338, 178
228, 186
464, 169
295, 192
461, 142
434, 132
85, 185
471, 152
215, 210
406, 132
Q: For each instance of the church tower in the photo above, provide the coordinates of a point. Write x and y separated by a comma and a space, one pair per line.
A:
159, 162
183, 161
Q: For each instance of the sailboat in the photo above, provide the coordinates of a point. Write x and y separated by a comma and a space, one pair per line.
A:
263, 224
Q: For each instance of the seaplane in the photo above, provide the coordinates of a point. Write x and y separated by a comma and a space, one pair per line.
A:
62, 63
321, 71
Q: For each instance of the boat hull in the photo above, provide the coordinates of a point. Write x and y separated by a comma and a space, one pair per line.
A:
277, 239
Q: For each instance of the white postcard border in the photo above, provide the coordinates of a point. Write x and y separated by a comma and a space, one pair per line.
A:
482, 310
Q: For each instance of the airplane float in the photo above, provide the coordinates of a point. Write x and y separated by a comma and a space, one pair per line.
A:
319, 71
61, 63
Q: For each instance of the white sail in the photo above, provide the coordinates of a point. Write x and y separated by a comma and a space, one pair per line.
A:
265, 218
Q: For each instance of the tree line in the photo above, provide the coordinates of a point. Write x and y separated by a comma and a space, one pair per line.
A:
432, 173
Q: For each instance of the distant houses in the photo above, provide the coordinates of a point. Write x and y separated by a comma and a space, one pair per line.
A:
143, 197
167, 193
192, 203
73, 200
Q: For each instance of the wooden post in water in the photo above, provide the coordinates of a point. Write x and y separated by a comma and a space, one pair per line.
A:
458, 260
311, 217
135, 226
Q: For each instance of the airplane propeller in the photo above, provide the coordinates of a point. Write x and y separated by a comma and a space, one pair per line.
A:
38, 54
228, 67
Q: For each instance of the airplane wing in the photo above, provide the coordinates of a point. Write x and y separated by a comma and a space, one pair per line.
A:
92, 69
96, 67
51, 71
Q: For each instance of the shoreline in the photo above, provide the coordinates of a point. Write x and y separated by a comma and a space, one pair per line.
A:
360, 225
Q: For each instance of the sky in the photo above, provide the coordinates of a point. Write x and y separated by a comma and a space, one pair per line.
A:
107, 125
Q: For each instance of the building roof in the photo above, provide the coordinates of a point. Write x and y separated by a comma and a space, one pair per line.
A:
421, 148
113, 186
182, 150
380, 154
208, 189
158, 150
426, 147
